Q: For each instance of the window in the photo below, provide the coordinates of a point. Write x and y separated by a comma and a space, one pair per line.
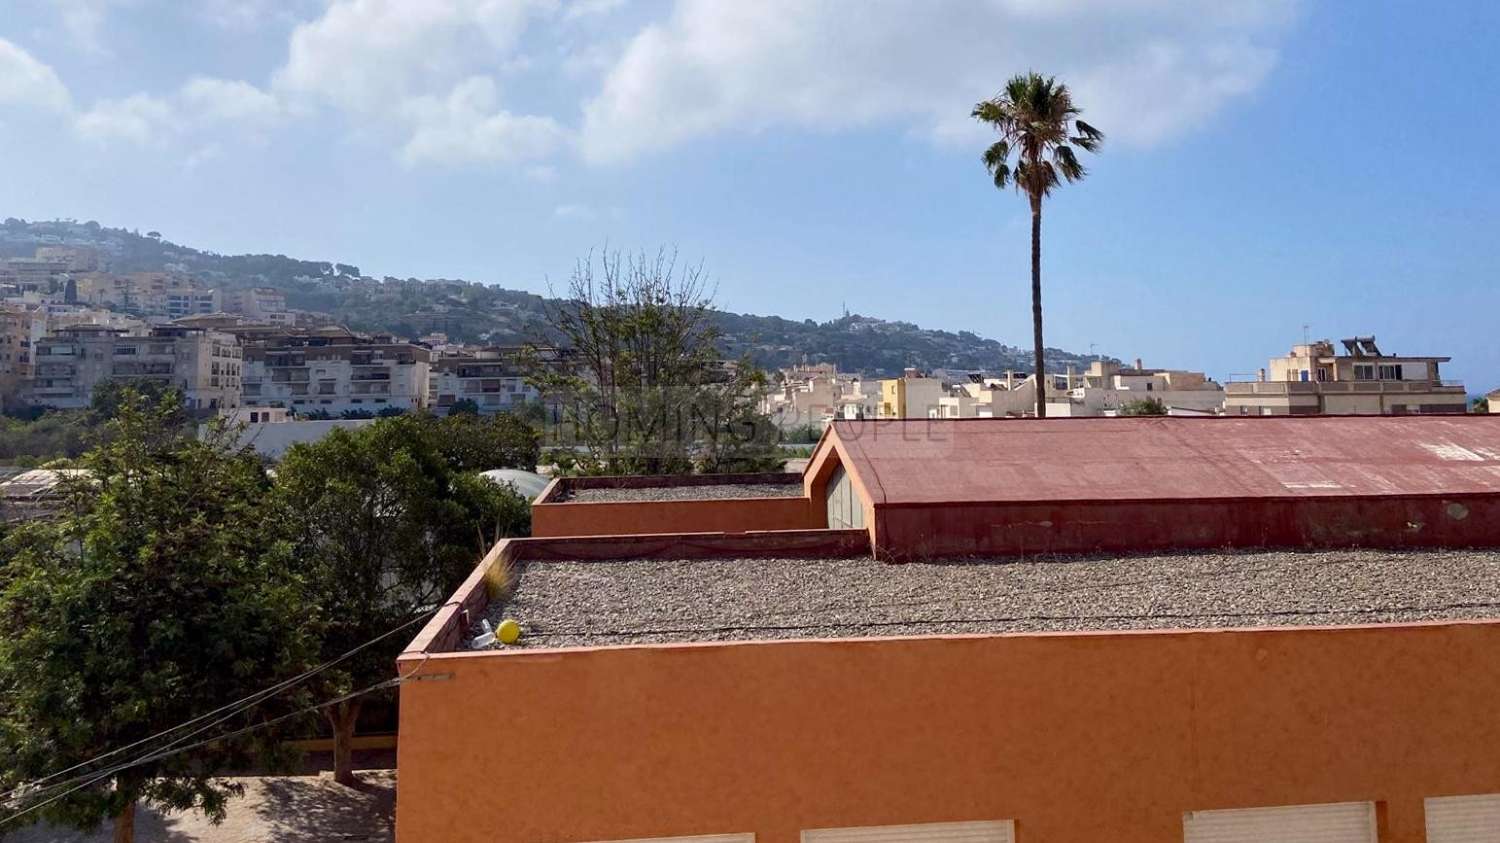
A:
1364, 372
702, 838
1302, 376
999, 831
1462, 819
1340, 822
1390, 373
1322, 374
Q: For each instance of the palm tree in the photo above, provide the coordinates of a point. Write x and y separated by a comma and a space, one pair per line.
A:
1037, 120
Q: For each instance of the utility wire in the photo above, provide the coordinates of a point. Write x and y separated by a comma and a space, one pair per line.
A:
238, 706
158, 755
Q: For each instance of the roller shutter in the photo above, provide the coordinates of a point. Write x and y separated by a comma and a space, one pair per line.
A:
1002, 831
1342, 822
1464, 819
702, 838
698, 839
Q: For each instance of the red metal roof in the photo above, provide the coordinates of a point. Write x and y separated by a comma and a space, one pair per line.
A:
917, 461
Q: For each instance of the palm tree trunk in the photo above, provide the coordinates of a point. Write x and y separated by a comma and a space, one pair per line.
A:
1036, 307
125, 825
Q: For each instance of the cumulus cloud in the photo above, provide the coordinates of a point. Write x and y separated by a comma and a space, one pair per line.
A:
468, 126
27, 82
431, 67
202, 104
1145, 70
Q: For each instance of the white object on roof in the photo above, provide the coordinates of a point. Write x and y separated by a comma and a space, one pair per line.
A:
528, 484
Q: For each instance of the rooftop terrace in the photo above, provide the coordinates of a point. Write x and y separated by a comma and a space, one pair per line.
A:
562, 603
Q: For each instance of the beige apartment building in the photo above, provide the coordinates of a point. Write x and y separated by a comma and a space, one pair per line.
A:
15, 352
335, 371
260, 305
1315, 379
493, 378
69, 364
168, 294
1106, 387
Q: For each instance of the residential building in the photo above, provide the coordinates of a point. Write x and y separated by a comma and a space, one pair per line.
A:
167, 294
493, 378
1108, 386
911, 396
334, 371
259, 305
204, 365
1313, 379
15, 352
1196, 696
806, 395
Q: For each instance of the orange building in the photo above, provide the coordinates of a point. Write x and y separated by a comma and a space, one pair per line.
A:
710, 688
773, 679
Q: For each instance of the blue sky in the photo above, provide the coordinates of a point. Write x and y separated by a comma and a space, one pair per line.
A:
1270, 163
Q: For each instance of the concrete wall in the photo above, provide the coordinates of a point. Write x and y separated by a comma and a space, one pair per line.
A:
915, 531
1077, 737
274, 438
551, 516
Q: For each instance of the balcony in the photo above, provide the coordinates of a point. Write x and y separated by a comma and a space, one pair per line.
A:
1246, 388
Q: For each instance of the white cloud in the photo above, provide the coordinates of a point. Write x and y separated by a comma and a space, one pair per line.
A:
582, 9
222, 100
203, 104
366, 54
25, 81
468, 127
83, 21
1144, 70
138, 118
426, 70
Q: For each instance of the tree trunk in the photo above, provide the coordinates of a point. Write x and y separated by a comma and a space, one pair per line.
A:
125, 825
343, 717
1036, 307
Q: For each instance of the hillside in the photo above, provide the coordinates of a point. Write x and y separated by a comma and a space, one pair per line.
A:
474, 312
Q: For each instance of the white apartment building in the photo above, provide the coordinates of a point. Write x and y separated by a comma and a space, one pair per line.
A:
68, 365
334, 371
493, 378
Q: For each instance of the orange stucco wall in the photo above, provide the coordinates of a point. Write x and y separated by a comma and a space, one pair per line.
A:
554, 516
701, 516
1078, 737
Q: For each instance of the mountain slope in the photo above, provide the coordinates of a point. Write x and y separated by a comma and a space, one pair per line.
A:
470, 311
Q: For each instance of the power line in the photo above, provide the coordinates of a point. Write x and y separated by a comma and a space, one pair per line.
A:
239, 706
160, 754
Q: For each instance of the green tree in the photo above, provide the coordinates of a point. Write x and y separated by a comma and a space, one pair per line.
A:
157, 594
1480, 405
1038, 123
1143, 407
480, 443
384, 529
644, 385
463, 407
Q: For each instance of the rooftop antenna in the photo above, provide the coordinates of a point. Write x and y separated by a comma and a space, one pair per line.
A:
1092, 353
1306, 336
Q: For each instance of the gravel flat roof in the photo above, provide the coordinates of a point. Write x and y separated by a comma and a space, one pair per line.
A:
718, 491
594, 603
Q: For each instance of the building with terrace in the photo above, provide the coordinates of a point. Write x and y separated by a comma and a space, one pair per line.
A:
1314, 379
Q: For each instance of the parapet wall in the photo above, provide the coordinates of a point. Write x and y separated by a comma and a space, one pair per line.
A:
553, 515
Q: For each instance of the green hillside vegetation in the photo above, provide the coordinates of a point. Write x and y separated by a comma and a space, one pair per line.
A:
469, 311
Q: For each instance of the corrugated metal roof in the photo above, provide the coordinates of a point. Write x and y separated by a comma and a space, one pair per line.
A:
1168, 458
